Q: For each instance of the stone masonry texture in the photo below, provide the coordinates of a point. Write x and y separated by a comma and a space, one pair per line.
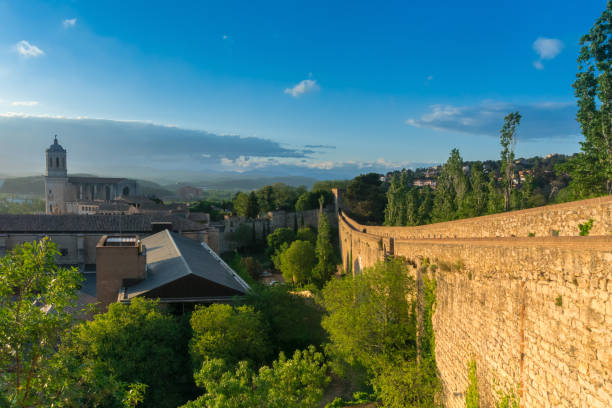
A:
534, 312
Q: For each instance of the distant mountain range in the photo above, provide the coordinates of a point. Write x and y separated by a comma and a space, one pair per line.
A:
34, 186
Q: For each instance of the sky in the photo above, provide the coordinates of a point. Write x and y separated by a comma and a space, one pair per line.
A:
328, 89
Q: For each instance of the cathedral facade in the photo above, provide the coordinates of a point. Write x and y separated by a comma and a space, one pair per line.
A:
66, 194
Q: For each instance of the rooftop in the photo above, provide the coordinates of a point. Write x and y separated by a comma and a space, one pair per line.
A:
171, 257
137, 223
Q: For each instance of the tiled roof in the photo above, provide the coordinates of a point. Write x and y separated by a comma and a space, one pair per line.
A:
95, 180
136, 223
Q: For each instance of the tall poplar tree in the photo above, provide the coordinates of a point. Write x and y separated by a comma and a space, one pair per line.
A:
451, 189
326, 265
591, 169
508, 141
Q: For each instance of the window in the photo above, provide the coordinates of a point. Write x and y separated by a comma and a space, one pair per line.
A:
57, 162
63, 163
64, 252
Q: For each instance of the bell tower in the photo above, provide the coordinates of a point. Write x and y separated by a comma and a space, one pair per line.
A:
56, 180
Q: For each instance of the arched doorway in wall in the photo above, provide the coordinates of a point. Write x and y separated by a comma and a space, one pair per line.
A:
126, 191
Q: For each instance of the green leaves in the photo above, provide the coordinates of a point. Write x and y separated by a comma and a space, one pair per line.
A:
298, 382
230, 333
591, 170
507, 140
369, 316
35, 297
297, 262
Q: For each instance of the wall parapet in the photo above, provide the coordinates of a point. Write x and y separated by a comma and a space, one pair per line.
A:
557, 219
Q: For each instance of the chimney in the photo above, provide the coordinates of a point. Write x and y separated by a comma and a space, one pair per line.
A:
119, 260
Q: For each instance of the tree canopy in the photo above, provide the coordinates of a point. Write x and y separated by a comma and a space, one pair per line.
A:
230, 333
36, 302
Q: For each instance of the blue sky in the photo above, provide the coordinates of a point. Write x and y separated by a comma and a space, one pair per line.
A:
386, 84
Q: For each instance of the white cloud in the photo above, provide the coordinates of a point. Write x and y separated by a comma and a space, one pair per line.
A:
28, 50
25, 103
540, 120
547, 48
69, 22
225, 36
305, 86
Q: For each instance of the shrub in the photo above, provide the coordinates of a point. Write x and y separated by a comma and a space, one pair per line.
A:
585, 228
472, 398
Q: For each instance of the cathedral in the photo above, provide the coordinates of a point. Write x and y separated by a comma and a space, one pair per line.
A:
79, 195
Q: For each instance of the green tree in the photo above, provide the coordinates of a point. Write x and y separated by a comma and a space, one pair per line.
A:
365, 198
405, 383
35, 300
297, 262
135, 343
298, 382
252, 206
411, 207
265, 198
591, 169
295, 321
241, 203
278, 237
230, 333
451, 189
477, 197
306, 234
508, 141
369, 316
426, 198
396, 196
326, 256
495, 198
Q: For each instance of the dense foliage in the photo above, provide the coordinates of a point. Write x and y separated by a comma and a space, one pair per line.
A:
230, 333
591, 169
131, 344
35, 295
372, 324
297, 262
365, 198
298, 382
294, 321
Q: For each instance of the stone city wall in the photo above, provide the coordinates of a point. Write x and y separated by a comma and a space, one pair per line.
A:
535, 313
558, 219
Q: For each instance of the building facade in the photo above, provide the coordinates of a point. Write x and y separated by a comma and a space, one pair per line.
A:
63, 193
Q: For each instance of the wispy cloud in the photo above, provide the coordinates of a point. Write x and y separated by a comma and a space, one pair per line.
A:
547, 49
303, 87
24, 103
69, 22
320, 146
28, 50
540, 120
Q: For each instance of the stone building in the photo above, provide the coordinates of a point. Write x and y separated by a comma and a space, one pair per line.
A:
64, 193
